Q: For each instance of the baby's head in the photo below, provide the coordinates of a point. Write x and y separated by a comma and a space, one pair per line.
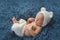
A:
39, 19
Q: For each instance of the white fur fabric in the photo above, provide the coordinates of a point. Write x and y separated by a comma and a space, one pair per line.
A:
18, 28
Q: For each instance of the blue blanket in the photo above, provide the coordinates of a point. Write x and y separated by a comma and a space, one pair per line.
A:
25, 9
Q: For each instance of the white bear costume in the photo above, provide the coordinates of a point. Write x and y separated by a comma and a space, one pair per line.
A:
19, 28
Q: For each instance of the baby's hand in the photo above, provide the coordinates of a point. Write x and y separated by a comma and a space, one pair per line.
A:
30, 20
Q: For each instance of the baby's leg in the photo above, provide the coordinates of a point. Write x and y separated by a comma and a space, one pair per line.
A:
30, 20
14, 20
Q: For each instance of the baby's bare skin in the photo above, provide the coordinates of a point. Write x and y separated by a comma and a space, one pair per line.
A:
34, 26
32, 29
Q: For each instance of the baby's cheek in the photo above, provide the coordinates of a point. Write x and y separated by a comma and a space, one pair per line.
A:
38, 22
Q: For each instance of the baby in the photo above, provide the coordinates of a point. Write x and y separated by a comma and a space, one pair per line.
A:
32, 26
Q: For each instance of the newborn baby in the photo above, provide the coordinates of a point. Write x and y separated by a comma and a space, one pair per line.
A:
32, 26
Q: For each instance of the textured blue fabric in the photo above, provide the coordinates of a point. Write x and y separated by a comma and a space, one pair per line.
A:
25, 9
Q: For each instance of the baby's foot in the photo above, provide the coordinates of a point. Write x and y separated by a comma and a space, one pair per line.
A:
14, 20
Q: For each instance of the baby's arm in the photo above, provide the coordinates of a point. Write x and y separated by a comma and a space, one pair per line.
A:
34, 33
30, 20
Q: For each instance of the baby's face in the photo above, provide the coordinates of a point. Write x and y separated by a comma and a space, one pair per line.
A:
39, 19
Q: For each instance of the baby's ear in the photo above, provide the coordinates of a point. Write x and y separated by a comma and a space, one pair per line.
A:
43, 9
51, 14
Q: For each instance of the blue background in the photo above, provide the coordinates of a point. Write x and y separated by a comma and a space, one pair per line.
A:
25, 9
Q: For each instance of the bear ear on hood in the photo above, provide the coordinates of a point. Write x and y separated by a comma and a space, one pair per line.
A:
51, 14
43, 9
